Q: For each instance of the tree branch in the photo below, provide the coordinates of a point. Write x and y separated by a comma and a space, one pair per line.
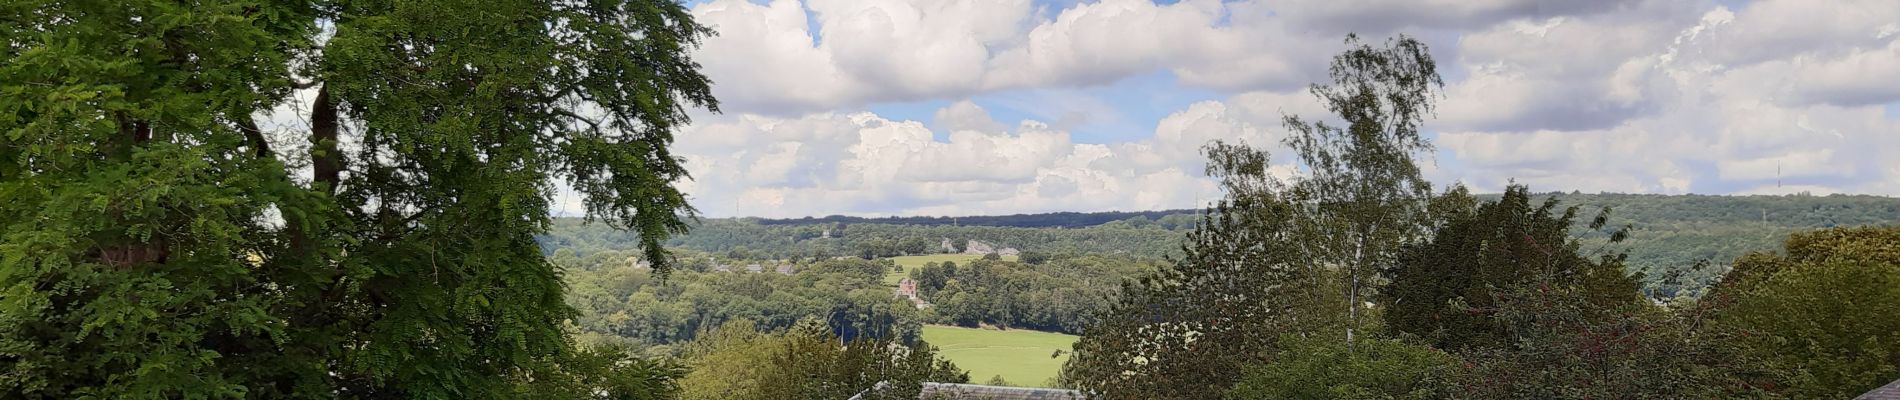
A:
260, 147
570, 114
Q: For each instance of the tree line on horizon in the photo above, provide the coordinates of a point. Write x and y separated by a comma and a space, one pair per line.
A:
1681, 244
1062, 219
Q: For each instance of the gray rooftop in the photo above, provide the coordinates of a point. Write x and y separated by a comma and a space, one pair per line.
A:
1889, 392
962, 391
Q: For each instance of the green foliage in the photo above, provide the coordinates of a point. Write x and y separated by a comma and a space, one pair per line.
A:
158, 245
1362, 194
1566, 346
1824, 313
784, 241
1442, 289
807, 362
1324, 368
1268, 257
607, 372
620, 301
1679, 243
1508, 286
1168, 219
1065, 295
629, 303
1187, 330
1684, 243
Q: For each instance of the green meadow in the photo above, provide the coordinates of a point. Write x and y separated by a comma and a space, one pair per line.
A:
1021, 357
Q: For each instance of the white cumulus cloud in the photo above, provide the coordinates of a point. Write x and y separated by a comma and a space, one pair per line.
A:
1662, 96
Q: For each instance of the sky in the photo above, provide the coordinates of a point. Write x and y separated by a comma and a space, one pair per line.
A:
975, 107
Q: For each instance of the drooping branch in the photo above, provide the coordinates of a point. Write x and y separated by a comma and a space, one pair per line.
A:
259, 147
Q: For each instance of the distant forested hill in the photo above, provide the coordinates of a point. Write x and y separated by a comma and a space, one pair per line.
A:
1049, 220
1670, 234
748, 238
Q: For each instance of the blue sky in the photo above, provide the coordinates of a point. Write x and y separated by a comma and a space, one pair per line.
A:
958, 107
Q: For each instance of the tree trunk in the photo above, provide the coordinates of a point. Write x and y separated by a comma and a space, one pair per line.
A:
325, 159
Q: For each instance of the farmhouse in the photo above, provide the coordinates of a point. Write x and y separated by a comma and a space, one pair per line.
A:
907, 288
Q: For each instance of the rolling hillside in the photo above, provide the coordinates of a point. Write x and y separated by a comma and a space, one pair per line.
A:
1671, 235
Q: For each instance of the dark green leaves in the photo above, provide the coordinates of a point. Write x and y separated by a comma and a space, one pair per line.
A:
158, 245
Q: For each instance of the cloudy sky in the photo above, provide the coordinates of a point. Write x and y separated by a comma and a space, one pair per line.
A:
959, 107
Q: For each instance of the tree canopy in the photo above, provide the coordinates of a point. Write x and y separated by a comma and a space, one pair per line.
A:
1442, 289
1277, 257
1823, 313
805, 361
161, 242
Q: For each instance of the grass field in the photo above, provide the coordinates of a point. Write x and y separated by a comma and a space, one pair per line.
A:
1019, 356
910, 262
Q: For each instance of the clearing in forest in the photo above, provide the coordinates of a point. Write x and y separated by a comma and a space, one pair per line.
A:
1020, 356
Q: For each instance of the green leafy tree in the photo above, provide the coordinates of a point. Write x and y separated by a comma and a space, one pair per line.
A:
1442, 289
157, 243
1187, 330
914, 245
1033, 257
1323, 368
607, 372
1363, 195
1266, 257
739, 254
1565, 345
1823, 313
808, 362
1507, 286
